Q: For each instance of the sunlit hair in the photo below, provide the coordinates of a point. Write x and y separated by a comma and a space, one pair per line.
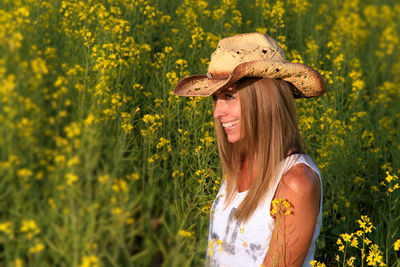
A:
269, 133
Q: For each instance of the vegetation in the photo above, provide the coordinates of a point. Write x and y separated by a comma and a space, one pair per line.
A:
101, 165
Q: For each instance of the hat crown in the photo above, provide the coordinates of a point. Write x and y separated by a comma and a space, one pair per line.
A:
238, 49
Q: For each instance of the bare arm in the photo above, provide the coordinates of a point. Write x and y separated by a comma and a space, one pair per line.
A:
292, 234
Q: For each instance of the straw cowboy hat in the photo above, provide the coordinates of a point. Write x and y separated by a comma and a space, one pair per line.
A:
251, 55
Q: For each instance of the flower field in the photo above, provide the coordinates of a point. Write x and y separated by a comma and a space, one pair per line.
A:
100, 165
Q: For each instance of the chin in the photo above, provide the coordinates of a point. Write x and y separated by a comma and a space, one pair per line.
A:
233, 139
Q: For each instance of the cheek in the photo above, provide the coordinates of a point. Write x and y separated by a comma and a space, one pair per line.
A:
215, 113
238, 110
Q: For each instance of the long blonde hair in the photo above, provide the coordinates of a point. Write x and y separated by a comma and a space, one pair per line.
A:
268, 133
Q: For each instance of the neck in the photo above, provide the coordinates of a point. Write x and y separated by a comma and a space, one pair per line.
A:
293, 150
246, 178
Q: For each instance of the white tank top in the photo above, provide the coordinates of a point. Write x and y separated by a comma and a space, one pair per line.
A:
231, 243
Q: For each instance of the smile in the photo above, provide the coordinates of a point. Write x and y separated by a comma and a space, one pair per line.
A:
230, 124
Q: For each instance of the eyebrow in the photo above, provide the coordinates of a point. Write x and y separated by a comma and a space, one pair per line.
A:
232, 90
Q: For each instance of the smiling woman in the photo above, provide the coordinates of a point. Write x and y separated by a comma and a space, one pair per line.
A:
268, 209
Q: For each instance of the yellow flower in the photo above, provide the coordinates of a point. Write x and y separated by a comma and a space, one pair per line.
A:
120, 185
60, 160
340, 243
71, 178
72, 130
390, 177
207, 140
104, 178
185, 233
30, 227
365, 224
396, 186
367, 241
346, 237
375, 256
359, 180
137, 86
396, 245
116, 211
196, 150
52, 203
134, 176
315, 263
354, 242
176, 173
206, 209
181, 63
172, 78
5, 228
126, 127
73, 161
17, 263
89, 261
24, 173
350, 261
167, 49
375, 188
359, 233
281, 207
36, 248
162, 142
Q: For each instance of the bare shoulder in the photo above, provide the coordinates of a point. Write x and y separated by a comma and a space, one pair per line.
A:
302, 180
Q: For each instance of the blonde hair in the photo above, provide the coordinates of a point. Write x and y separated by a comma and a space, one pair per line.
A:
268, 134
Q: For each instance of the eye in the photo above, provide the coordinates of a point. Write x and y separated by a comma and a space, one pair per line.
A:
229, 96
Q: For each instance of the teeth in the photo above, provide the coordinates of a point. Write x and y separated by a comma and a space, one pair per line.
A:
229, 124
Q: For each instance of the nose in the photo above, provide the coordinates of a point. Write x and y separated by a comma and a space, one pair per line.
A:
219, 108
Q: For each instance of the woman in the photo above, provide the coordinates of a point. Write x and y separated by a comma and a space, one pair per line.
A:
268, 210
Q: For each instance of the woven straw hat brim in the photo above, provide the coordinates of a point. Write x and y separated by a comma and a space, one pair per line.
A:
200, 85
307, 81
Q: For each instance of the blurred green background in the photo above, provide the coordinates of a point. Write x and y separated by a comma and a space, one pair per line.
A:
101, 165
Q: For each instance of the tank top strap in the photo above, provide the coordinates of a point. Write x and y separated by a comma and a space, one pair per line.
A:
306, 159
288, 163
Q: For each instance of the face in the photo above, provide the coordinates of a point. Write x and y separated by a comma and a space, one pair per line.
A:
227, 111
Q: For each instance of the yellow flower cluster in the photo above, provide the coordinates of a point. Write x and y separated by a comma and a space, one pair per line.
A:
177, 173
75, 76
185, 233
71, 178
281, 207
90, 261
202, 175
36, 248
375, 256
153, 123
164, 142
392, 182
30, 228
396, 245
119, 185
315, 263
6, 228
360, 241
207, 140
